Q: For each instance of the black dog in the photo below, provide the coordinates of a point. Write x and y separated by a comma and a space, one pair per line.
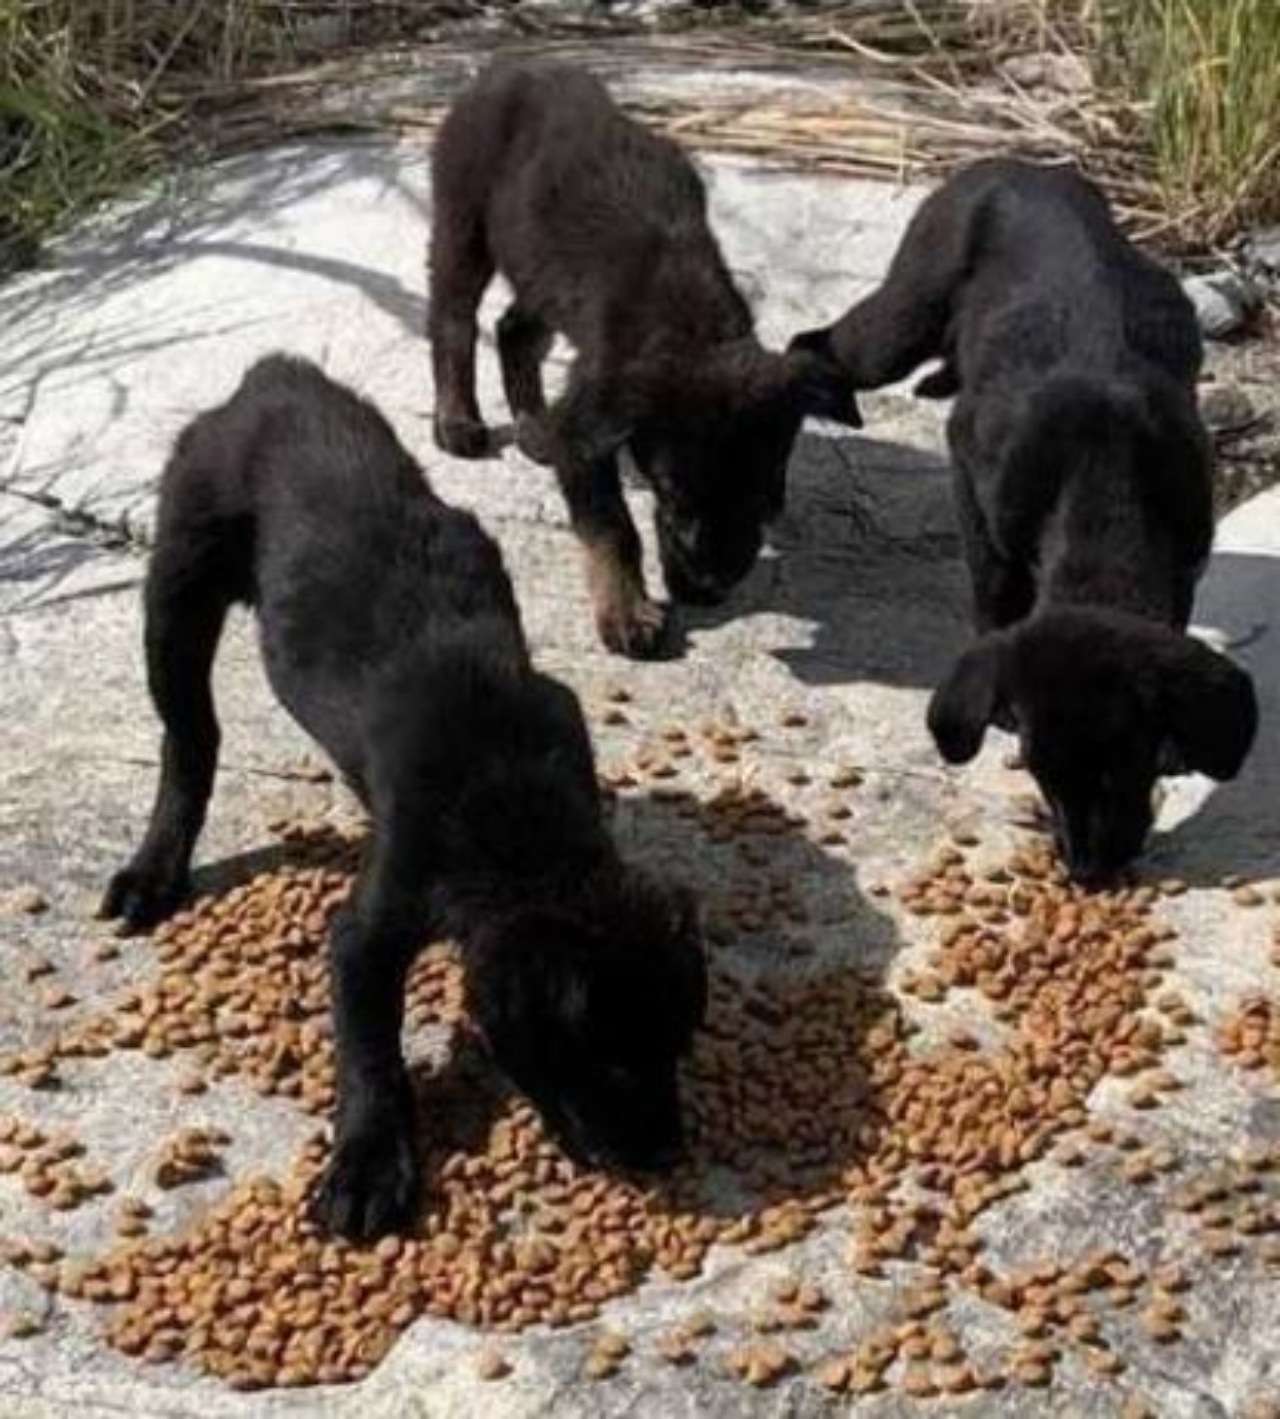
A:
601, 228
390, 632
1083, 486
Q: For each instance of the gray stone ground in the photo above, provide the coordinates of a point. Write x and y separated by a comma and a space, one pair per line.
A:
152, 314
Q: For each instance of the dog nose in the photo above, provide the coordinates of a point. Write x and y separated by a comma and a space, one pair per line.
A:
1092, 870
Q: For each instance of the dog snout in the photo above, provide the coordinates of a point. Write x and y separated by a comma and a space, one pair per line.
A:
696, 588
1098, 848
702, 567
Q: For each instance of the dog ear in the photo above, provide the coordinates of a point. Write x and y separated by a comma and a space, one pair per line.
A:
968, 700
528, 972
1210, 710
817, 383
690, 957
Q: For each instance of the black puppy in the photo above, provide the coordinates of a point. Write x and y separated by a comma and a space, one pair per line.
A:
390, 632
1082, 483
600, 226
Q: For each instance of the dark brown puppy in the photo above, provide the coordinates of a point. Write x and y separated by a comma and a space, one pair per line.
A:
390, 632
1082, 479
600, 226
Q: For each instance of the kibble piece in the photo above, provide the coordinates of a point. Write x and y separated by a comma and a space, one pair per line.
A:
833, 1374
23, 901
1160, 1326
612, 1346
676, 1347
492, 1365
918, 1382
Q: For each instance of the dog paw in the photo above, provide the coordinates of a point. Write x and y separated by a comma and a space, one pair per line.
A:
464, 438
534, 440
370, 1187
141, 897
636, 629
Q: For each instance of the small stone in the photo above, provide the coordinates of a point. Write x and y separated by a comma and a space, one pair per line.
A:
1051, 70
1225, 303
1262, 249
1226, 409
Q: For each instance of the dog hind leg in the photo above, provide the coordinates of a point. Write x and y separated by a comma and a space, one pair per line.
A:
523, 342
190, 587
461, 269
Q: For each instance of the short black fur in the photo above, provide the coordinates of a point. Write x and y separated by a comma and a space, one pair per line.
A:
1083, 488
390, 632
601, 228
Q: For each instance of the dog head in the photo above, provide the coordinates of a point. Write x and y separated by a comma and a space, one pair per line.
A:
587, 1008
719, 466
1103, 704
712, 435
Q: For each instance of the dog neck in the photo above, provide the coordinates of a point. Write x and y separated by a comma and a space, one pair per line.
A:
687, 303
1101, 546
468, 902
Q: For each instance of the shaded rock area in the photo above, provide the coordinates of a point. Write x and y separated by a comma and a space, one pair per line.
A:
807, 691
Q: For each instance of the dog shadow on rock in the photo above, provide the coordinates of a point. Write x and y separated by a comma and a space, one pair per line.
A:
867, 559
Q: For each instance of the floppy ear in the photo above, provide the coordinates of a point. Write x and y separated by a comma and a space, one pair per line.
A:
1210, 709
968, 700
691, 958
528, 971
821, 388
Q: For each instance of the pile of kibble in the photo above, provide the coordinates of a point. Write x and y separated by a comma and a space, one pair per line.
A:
1251, 1035
813, 1090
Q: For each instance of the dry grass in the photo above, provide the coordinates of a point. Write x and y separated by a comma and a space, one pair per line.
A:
1206, 74
1181, 122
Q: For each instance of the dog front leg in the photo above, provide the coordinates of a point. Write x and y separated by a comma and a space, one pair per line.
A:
629, 623
372, 1182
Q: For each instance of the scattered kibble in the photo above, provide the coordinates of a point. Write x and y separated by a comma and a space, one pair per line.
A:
815, 1093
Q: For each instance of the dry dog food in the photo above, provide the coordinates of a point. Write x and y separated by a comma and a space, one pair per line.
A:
817, 1092
1251, 1035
